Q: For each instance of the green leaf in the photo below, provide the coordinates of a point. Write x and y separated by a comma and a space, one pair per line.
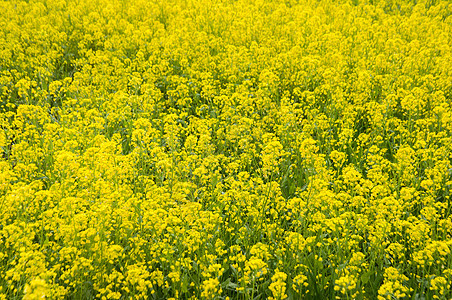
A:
365, 277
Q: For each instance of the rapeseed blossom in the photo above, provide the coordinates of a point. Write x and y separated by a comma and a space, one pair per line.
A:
225, 149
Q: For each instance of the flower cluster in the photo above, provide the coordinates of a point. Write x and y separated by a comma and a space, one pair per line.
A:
225, 149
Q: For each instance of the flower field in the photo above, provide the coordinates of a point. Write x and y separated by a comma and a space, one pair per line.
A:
207, 149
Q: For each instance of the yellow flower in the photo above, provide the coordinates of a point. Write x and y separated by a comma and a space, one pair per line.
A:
278, 286
393, 285
210, 288
36, 289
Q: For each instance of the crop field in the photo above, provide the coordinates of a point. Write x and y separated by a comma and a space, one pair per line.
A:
225, 149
